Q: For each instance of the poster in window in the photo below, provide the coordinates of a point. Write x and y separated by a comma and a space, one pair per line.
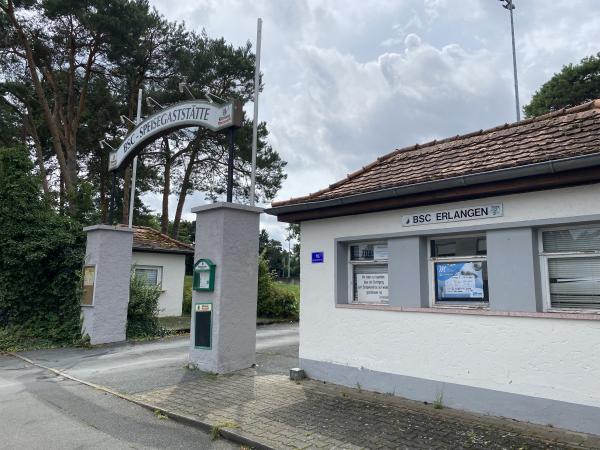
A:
380, 252
460, 280
89, 279
372, 287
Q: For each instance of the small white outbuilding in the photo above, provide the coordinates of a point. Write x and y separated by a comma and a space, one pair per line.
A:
465, 270
160, 259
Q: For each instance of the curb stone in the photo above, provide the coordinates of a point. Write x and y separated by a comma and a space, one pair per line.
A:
183, 419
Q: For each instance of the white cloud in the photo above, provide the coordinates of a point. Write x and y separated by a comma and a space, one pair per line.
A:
348, 81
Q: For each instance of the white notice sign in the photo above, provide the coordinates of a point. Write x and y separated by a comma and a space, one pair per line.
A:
204, 280
372, 287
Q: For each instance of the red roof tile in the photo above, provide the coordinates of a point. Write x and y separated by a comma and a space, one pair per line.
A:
561, 134
149, 239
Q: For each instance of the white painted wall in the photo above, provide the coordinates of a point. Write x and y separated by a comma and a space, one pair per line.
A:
550, 358
173, 274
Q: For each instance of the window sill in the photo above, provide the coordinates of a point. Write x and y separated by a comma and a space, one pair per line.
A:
476, 311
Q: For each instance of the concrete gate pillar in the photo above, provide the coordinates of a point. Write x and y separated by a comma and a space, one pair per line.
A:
223, 328
108, 252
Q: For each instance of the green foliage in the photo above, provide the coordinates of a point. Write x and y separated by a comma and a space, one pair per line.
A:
573, 85
274, 300
187, 295
142, 311
41, 255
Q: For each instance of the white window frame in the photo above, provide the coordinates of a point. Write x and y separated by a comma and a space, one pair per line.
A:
374, 262
431, 260
159, 275
544, 256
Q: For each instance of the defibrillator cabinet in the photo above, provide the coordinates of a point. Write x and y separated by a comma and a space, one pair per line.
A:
204, 275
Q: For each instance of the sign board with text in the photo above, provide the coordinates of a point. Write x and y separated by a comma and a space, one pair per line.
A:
454, 215
194, 113
372, 288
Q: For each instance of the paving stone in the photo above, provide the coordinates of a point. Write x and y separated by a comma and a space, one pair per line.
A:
271, 409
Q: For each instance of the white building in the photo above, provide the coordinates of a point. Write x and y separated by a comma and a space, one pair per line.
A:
160, 260
465, 270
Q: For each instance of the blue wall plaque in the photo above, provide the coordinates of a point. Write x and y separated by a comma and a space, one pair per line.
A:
317, 257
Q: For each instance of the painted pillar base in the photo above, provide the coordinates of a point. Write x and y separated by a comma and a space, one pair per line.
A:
227, 234
109, 249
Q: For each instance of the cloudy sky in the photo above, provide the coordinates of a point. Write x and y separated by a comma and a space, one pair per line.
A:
349, 80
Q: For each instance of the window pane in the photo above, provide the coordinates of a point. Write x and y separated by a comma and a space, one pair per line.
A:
573, 240
149, 276
467, 246
370, 283
369, 252
574, 282
461, 281
361, 252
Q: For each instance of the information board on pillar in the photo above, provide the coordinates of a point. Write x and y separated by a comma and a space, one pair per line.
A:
372, 287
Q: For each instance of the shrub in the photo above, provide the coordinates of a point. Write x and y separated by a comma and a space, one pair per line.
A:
41, 255
274, 301
142, 311
186, 308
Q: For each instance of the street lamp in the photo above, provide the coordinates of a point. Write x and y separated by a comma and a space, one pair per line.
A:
509, 5
103, 143
151, 102
183, 86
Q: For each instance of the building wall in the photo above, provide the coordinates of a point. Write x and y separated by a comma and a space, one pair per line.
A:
173, 274
544, 370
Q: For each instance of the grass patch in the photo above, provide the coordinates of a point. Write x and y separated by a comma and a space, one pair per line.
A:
175, 323
290, 287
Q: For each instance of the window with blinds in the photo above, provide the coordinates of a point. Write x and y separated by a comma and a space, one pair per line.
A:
150, 275
573, 264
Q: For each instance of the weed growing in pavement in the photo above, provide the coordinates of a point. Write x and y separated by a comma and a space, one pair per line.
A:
159, 415
215, 430
438, 403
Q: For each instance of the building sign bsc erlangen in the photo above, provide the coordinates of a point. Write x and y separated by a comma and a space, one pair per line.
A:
454, 215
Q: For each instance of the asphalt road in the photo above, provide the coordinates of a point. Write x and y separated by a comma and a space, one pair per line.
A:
137, 367
41, 410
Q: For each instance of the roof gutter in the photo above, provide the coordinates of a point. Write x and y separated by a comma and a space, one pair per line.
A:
543, 168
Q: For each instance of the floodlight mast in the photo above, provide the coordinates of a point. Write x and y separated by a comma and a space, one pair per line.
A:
510, 6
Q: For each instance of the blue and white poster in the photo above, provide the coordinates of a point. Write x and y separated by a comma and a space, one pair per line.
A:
459, 280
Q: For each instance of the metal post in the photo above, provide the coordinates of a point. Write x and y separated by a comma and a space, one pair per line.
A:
289, 255
113, 190
230, 165
512, 32
255, 121
134, 172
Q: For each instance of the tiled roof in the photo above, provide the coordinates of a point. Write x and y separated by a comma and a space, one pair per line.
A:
561, 134
149, 239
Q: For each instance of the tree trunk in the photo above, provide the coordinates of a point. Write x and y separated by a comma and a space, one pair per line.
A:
185, 186
39, 154
164, 220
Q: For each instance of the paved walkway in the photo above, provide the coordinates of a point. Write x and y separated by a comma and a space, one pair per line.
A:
264, 406
272, 410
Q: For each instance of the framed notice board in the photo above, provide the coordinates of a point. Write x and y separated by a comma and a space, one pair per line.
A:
89, 283
203, 325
